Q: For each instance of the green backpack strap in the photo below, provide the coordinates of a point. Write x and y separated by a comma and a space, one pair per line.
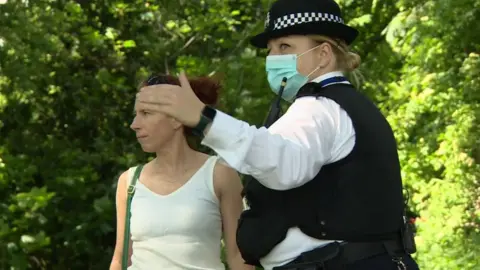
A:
126, 236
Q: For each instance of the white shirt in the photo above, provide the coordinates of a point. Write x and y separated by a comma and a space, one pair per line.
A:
312, 133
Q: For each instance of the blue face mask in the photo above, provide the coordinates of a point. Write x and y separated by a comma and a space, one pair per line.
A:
285, 66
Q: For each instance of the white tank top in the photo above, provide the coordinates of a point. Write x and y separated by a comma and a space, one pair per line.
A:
181, 230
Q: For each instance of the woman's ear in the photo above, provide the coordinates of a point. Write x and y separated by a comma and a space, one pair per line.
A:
175, 124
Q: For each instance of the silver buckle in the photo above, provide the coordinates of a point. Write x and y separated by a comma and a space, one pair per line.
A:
131, 189
400, 264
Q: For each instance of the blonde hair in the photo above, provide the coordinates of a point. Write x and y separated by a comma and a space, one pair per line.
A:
347, 60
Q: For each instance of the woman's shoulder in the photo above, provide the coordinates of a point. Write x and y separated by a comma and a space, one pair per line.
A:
127, 175
206, 160
220, 168
204, 156
225, 179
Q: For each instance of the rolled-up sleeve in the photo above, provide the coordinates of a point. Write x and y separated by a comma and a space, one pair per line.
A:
288, 154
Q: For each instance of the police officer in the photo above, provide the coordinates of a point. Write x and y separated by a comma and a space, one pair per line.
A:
327, 188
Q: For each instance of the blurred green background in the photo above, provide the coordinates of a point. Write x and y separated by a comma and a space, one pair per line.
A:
68, 75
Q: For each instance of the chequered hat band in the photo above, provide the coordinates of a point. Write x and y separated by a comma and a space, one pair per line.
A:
306, 17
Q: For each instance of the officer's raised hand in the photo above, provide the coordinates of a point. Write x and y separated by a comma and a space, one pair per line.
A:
179, 102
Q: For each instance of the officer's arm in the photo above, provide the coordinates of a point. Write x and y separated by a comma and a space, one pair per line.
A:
288, 154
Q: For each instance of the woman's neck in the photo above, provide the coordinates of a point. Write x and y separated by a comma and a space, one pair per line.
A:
175, 157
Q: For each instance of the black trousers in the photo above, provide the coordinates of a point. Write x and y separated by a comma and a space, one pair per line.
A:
382, 261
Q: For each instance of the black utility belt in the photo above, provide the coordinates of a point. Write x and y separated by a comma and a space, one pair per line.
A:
343, 253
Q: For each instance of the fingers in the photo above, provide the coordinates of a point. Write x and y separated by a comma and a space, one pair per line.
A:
166, 109
159, 88
154, 95
184, 80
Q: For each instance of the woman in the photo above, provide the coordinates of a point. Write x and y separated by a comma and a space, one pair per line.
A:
183, 198
327, 192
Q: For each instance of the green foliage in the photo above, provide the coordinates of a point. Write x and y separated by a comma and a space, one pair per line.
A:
435, 114
68, 75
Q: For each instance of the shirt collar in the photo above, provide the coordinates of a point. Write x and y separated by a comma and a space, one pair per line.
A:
327, 76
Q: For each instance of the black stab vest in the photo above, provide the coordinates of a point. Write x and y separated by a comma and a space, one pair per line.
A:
358, 198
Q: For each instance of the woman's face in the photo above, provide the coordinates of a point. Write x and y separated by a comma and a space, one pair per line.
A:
153, 129
297, 44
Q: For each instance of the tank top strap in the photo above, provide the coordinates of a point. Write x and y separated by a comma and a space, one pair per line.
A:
130, 173
210, 164
205, 175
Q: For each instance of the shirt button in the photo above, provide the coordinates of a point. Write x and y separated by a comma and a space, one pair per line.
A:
322, 222
324, 234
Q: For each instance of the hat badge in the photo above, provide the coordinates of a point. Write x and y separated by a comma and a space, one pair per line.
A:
267, 20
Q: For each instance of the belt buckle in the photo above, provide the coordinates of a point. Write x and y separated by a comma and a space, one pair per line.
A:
400, 264
131, 189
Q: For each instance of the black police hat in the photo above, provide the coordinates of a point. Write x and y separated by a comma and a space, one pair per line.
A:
304, 17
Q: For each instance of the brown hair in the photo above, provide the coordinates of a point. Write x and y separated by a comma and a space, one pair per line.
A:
205, 88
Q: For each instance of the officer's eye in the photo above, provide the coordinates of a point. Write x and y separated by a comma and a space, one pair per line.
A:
284, 46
